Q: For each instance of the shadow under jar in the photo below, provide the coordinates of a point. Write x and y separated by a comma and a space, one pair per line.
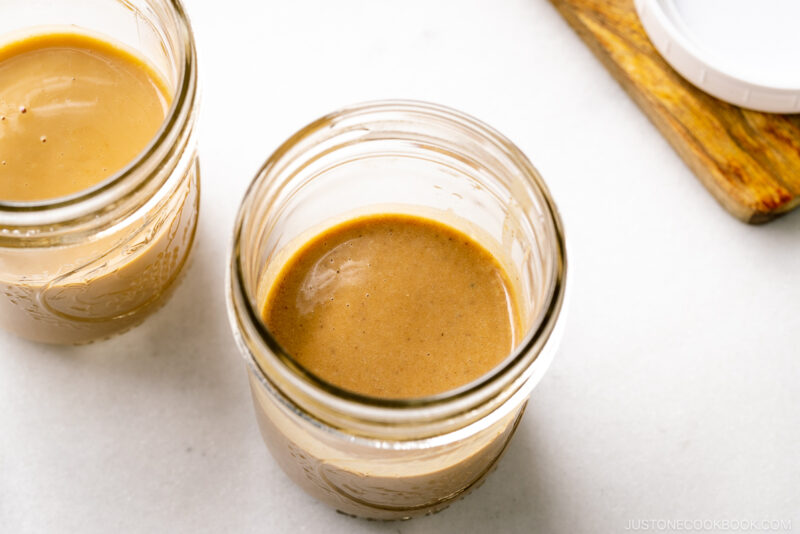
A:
85, 266
395, 458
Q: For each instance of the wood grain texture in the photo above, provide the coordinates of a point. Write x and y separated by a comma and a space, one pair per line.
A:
749, 161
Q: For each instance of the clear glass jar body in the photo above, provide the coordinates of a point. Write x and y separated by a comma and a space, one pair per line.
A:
84, 267
387, 458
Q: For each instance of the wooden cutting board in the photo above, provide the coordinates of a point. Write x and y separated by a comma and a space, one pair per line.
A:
749, 161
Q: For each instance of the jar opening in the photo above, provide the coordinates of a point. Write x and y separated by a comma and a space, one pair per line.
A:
290, 159
137, 174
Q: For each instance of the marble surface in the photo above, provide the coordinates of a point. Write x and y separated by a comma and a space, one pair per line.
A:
676, 392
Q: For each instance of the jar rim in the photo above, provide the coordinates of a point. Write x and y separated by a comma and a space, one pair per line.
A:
537, 334
117, 186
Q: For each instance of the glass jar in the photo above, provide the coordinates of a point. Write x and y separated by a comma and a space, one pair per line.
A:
83, 267
388, 458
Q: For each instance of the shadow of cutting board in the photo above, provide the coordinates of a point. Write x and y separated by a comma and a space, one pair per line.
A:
749, 161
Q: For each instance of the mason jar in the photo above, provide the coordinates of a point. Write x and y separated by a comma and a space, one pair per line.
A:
395, 458
83, 267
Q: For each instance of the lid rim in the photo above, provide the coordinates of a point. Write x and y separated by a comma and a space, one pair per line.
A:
691, 62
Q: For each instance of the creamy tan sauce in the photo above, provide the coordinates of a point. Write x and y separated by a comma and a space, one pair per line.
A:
74, 110
393, 306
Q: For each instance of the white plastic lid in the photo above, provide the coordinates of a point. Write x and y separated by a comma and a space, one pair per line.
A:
746, 52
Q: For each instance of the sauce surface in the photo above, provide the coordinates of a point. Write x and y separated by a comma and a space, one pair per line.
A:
393, 306
74, 109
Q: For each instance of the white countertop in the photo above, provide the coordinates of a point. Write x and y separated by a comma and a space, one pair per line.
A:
675, 395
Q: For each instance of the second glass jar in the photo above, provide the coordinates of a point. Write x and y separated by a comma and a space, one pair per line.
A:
84, 267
